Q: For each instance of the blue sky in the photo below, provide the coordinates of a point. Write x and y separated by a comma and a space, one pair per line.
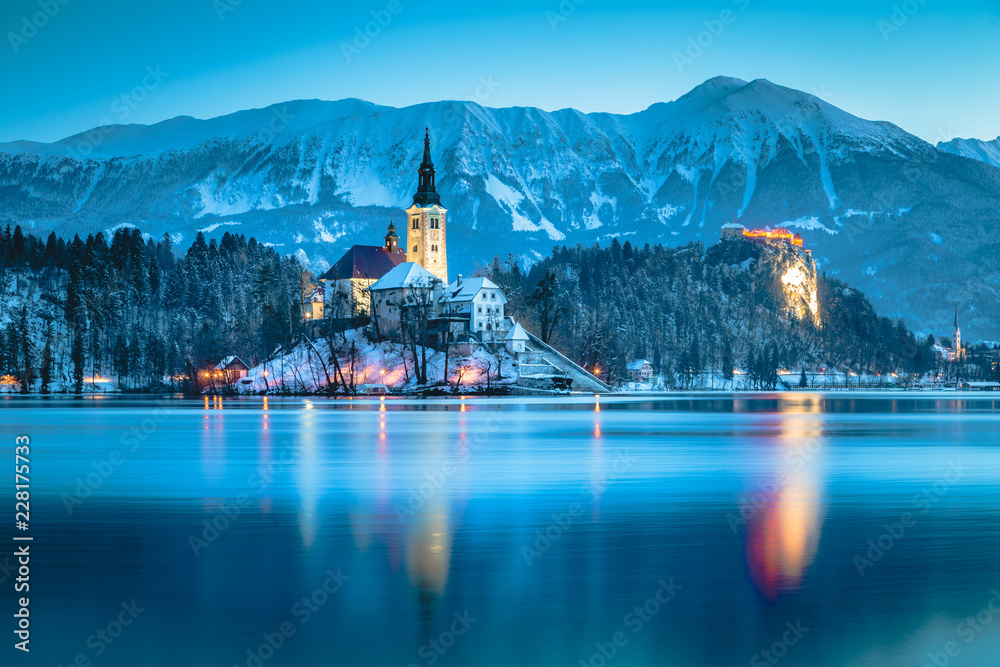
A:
930, 67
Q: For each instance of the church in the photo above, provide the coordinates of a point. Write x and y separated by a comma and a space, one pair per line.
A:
382, 282
348, 281
950, 349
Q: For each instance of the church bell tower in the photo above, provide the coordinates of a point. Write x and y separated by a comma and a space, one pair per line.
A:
426, 221
957, 339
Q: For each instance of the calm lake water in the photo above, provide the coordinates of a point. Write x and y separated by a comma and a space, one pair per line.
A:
796, 529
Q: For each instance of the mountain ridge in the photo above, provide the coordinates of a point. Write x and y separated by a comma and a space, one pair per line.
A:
881, 208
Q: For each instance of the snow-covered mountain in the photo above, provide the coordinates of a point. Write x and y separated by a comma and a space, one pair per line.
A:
977, 149
914, 226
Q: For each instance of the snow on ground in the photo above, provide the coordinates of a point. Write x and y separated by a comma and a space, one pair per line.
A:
305, 368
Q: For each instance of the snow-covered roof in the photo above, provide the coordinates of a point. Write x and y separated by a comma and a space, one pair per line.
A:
407, 274
469, 288
733, 225
637, 365
517, 332
228, 361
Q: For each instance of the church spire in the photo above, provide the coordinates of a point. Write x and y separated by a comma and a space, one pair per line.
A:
392, 238
426, 193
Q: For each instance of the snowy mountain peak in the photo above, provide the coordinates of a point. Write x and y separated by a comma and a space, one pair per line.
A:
319, 176
976, 149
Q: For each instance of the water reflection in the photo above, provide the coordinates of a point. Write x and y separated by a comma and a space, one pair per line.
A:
428, 504
783, 533
310, 476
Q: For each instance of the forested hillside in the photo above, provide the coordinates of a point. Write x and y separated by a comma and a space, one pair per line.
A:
131, 308
76, 310
689, 309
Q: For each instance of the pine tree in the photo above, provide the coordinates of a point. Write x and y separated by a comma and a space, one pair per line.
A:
78, 360
26, 352
727, 360
803, 380
46, 370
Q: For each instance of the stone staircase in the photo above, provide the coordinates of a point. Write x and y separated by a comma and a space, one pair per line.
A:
543, 359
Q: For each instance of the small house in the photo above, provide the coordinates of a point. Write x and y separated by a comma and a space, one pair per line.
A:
312, 305
228, 371
640, 370
481, 301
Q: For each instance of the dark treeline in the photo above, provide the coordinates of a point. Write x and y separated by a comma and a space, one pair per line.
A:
131, 308
688, 310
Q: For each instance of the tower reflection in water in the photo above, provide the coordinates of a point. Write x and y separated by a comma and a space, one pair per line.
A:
785, 505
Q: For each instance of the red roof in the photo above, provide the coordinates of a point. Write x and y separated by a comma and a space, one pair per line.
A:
365, 261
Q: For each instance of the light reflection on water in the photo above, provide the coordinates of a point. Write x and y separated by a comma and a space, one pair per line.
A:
547, 520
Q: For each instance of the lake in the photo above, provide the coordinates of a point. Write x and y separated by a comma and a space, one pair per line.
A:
701, 529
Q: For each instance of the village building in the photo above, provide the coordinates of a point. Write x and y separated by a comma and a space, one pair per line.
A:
480, 303
312, 304
640, 370
348, 280
407, 286
226, 372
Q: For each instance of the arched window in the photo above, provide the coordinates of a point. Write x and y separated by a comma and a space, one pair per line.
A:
416, 224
